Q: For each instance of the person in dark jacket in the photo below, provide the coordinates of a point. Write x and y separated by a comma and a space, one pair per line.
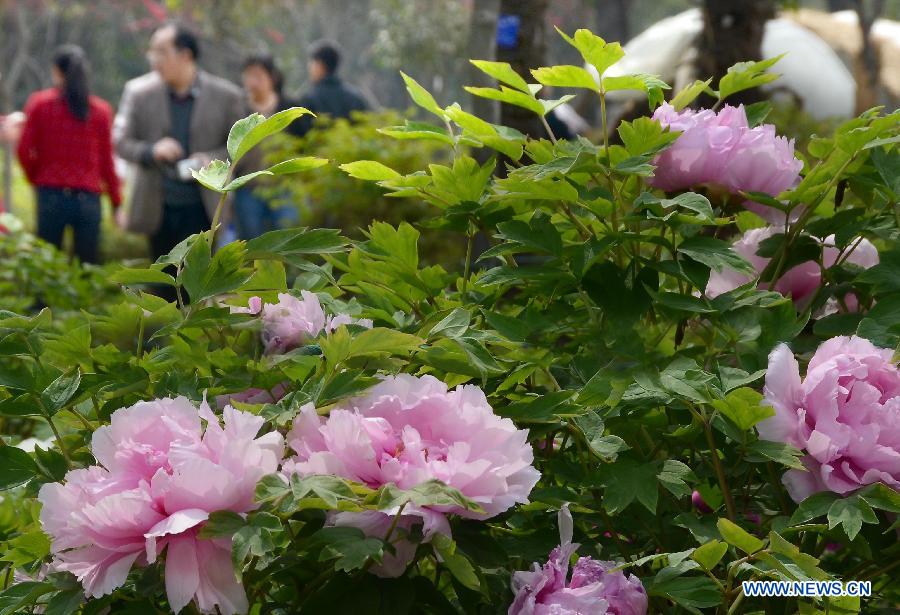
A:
253, 207
66, 151
329, 95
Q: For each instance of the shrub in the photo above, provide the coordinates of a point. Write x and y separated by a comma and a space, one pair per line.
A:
583, 366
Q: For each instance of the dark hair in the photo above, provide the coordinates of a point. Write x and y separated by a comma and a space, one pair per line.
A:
327, 53
185, 38
71, 62
266, 62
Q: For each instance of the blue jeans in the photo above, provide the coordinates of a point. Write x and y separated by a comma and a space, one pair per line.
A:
58, 208
255, 216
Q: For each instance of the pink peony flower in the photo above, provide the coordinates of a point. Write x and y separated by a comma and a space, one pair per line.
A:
161, 476
594, 589
800, 282
721, 150
701, 153
845, 415
292, 322
408, 430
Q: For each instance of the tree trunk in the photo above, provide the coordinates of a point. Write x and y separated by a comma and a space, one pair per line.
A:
482, 46
526, 53
732, 32
611, 19
868, 65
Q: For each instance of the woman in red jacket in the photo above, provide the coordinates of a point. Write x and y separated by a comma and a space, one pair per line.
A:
66, 152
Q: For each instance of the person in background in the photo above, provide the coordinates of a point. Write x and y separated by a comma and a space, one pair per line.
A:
329, 95
65, 150
170, 121
254, 213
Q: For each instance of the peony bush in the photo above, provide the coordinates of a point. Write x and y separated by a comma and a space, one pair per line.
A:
670, 362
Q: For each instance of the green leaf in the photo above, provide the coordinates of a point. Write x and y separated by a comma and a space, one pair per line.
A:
673, 476
213, 175
763, 451
453, 324
595, 51
884, 278
606, 447
330, 489
565, 76
222, 524
16, 467
626, 480
742, 407
881, 497
65, 602
850, 513
745, 75
502, 71
369, 170
296, 165
539, 234
714, 253
690, 93
880, 325
348, 546
814, 506
458, 564
710, 554
642, 82
509, 96
736, 536
295, 241
248, 132
698, 592
60, 391
421, 96
130, 276
204, 277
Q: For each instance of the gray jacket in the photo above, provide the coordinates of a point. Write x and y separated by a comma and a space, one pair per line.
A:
143, 119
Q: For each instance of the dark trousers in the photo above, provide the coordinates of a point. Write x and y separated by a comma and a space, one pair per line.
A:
58, 208
178, 223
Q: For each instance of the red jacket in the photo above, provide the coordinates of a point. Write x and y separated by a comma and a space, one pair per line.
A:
59, 151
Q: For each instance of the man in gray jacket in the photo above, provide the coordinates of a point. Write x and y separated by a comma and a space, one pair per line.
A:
172, 120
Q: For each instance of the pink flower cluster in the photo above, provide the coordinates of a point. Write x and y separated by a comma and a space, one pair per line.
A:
160, 476
595, 588
800, 282
292, 322
845, 415
408, 430
721, 150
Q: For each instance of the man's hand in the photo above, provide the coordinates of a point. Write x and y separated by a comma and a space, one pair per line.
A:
167, 149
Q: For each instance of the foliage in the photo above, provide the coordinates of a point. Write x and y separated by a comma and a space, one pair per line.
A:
331, 198
587, 323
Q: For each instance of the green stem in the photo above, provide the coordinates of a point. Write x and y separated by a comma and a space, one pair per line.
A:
59, 441
217, 215
548, 129
467, 271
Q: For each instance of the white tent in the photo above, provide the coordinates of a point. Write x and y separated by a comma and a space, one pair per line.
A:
811, 71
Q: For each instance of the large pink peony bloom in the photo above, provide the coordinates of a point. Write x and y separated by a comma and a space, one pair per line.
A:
721, 150
594, 588
845, 415
799, 282
407, 430
162, 474
292, 322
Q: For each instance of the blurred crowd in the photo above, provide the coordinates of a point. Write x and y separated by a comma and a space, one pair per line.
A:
169, 122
